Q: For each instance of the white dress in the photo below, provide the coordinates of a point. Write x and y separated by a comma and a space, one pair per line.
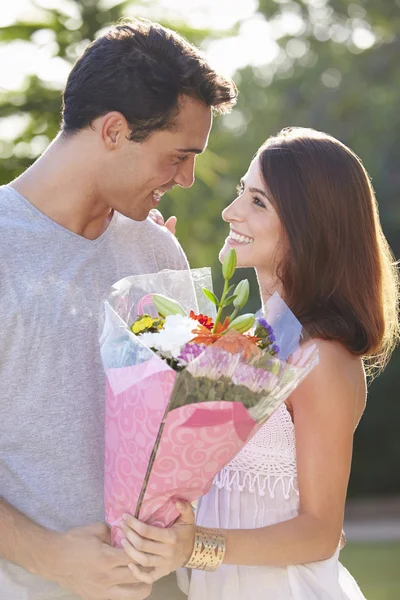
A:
259, 488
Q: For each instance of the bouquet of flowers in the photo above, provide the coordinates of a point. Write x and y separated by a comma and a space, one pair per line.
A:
185, 389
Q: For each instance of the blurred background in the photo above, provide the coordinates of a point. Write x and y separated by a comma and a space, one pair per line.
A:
328, 64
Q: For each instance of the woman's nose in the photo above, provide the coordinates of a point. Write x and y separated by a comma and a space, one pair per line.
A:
232, 212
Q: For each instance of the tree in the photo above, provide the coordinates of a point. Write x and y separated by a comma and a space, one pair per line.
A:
336, 70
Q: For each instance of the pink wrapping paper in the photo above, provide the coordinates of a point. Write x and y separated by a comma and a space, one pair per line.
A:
197, 441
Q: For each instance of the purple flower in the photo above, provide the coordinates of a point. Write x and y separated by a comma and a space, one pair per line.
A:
270, 332
189, 352
275, 348
263, 323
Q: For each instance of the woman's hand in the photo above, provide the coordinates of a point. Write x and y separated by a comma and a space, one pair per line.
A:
154, 551
157, 217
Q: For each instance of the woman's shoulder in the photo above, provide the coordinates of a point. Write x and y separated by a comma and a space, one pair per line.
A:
332, 352
337, 380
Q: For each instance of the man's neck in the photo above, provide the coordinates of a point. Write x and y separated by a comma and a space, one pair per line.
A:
61, 185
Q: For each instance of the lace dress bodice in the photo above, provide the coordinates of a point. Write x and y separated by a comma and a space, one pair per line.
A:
256, 489
267, 461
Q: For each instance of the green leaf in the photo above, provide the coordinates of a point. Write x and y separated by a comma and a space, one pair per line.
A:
211, 297
167, 306
229, 300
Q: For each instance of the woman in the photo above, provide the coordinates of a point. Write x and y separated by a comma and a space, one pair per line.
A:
306, 219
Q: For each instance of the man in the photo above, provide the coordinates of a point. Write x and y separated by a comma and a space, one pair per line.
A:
137, 109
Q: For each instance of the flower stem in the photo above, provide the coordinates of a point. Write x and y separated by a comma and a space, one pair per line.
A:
221, 305
151, 463
233, 315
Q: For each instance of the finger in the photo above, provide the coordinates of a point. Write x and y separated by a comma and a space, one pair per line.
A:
155, 574
145, 545
100, 530
141, 558
342, 540
116, 556
124, 575
140, 575
156, 216
157, 534
171, 224
187, 513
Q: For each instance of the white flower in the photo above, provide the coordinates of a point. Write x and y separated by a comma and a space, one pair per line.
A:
177, 331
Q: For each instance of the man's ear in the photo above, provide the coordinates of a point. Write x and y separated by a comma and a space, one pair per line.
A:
113, 129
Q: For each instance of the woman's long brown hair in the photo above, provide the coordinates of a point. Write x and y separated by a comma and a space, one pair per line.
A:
339, 274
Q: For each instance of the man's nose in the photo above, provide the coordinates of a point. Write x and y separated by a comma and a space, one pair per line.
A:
185, 174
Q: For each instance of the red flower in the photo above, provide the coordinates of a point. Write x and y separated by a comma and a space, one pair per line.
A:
202, 319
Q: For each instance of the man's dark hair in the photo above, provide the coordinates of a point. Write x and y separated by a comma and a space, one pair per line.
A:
140, 69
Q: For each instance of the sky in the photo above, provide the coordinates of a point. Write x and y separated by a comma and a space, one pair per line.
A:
256, 42
19, 58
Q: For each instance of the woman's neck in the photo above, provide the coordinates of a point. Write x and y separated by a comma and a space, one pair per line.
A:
268, 285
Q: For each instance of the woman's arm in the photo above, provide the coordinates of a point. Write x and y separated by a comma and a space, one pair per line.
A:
326, 409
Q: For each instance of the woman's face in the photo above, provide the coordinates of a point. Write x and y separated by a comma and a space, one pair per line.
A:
256, 232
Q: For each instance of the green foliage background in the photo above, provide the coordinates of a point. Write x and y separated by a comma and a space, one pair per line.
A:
320, 79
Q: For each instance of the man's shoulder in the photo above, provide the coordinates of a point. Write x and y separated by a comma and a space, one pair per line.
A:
6, 195
10, 207
148, 236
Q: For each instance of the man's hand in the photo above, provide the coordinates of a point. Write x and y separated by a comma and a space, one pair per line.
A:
82, 561
157, 217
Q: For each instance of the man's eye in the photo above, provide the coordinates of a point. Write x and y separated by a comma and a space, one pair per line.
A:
182, 158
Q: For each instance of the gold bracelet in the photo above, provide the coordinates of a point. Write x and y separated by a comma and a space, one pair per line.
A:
208, 551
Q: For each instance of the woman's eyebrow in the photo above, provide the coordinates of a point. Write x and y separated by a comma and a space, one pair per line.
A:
254, 190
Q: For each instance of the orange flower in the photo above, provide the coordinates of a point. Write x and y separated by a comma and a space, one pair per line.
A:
232, 341
205, 336
236, 343
202, 319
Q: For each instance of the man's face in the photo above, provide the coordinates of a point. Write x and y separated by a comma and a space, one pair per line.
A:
134, 176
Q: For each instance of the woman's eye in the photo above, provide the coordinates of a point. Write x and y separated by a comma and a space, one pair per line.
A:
258, 202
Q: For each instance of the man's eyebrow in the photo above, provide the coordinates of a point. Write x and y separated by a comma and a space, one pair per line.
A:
255, 190
188, 150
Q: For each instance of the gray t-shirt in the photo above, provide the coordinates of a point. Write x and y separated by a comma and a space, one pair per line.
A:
52, 384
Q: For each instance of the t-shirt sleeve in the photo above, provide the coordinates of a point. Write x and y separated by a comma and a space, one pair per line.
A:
167, 249
178, 258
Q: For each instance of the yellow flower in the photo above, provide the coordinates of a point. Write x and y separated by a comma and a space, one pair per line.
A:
142, 324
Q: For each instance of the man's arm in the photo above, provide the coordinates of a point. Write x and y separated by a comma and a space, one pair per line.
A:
22, 541
81, 560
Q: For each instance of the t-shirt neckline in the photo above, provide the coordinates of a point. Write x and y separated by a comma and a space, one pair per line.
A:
61, 228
